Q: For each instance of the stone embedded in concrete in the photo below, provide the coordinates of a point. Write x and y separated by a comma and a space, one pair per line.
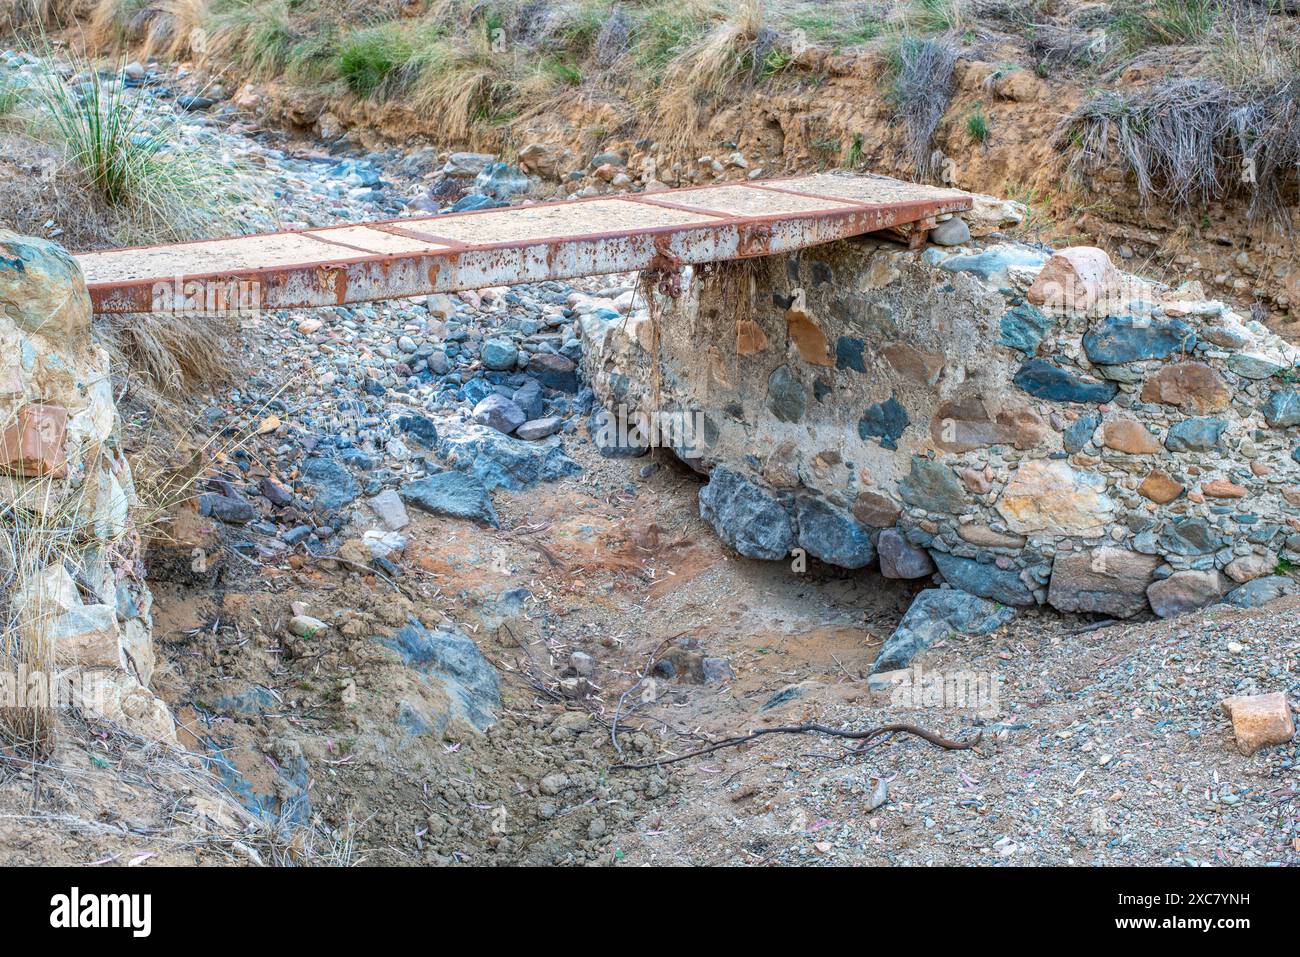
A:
913, 365
807, 336
1190, 536
1079, 433
1040, 378
1106, 581
875, 509
1186, 591
1223, 489
1160, 487
32, 445
832, 534
1050, 496
786, 396
932, 486
848, 354
750, 338
982, 535
899, 558
1079, 278
1192, 386
885, 421
985, 579
1129, 436
1254, 366
745, 516
1023, 327
1260, 720
1119, 339
1282, 410
1195, 435
936, 614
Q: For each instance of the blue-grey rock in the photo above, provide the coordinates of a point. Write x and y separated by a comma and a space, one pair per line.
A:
986, 580
1261, 591
499, 461
1119, 339
786, 395
991, 264
832, 534
1190, 536
451, 493
450, 658
615, 437
226, 508
1079, 433
501, 181
932, 486
554, 371
745, 516
419, 428
331, 485
936, 614
1253, 367
472, 201
500, 413
529, 398
1282, 410
1023, 326
499, 355
1199, 434
848, 354
1040, 378
886, 421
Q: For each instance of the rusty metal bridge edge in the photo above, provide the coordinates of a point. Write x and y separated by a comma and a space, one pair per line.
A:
357, 274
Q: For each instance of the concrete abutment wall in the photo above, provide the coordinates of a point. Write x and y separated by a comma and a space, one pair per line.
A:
1033, 432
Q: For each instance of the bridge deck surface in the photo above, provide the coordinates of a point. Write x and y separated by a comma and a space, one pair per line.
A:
562, 240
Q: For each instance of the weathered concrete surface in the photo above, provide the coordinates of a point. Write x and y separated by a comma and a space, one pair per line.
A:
427, 254
1078, 453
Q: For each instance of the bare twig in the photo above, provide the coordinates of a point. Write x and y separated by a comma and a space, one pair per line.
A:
811, 727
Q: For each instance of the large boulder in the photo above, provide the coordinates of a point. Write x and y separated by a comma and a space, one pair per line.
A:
745, 516
1106, 581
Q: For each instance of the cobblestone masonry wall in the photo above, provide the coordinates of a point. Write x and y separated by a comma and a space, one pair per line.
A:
71, 551
1031, 433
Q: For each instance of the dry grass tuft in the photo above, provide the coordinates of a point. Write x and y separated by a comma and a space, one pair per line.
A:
174, 353
923, 84
1191, 141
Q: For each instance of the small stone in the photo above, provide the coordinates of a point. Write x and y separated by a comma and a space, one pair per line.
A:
1222, 488
540, 428
1195, 435
1192, 386
305, 626
498, 412
716, 670
1160, 487
1259, 721
899, 558
952, 232
388, 508
1130, 436
1249, 567
499, 354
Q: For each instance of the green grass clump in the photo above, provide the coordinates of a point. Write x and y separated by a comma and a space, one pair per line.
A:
253, 34
977, 125
366, 58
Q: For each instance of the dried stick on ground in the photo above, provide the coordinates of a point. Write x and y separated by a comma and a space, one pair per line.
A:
812, 727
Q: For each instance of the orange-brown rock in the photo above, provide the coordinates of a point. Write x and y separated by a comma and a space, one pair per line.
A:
876, 510
1160, 487
750, 338
1193, 386
922, 368
1129, 435
1222, 488
1259, 720
32, 445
